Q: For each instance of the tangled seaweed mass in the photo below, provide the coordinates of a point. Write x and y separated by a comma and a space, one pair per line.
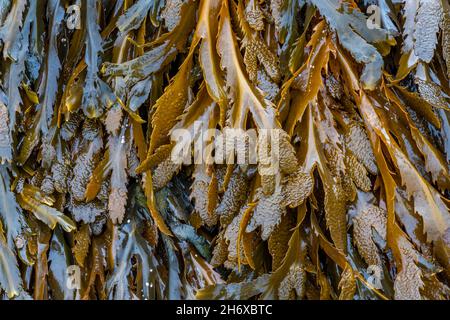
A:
358, 208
